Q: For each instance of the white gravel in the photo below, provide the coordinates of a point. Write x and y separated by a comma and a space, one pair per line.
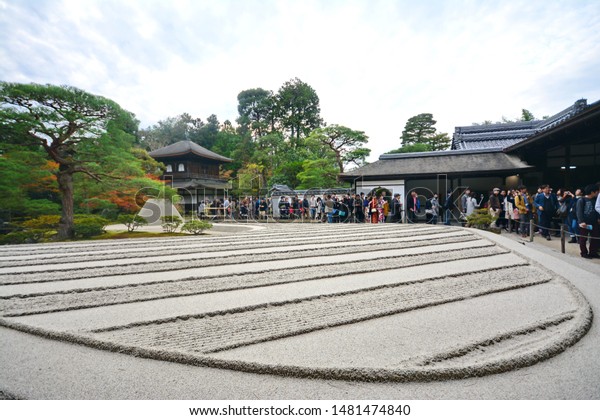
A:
240, 302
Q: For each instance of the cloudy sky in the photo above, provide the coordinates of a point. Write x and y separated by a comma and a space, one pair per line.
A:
374, 64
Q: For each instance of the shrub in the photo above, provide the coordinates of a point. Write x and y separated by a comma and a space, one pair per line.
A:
22, 237
41, 207
48, 222
196, 226
87, 226
39, 229
132, 221
480, 219
170, 223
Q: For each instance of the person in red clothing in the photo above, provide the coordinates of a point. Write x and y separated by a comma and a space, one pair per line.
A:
373, 213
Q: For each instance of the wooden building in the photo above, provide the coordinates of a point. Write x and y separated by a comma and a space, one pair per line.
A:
563, 150
194, 171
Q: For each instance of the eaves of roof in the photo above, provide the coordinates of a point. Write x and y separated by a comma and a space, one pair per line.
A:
591, 111
182, 148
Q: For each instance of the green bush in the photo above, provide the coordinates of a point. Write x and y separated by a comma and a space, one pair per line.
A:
41, 207
39, 229
87, 226
132, 221
480, 219
170, 223
47, 222
22, 237
196, 227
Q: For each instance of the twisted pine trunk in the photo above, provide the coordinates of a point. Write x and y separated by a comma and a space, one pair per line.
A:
66, 228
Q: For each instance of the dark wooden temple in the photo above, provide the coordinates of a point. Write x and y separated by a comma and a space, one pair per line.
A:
194, 171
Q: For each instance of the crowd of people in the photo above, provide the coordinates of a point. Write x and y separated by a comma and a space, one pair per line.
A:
330, 208
511, 209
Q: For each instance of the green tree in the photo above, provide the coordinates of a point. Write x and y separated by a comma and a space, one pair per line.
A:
526, 115
287, 174
271, 152
319, 173
256, 108
298, 110
71, 125
229, 143
439, 141
412, 148
206, 135
420, 129
345, 143
28, 185
171, 130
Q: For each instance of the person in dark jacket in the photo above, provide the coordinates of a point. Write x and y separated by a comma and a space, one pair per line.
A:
397, 209
413, 206
448, 207
588, 222
495, 206
571, 220
359, 214
546, 205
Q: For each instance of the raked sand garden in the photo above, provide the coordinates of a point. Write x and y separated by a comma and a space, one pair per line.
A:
349, 303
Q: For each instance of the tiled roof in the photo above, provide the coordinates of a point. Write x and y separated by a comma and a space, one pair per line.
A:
478, 137
185, 147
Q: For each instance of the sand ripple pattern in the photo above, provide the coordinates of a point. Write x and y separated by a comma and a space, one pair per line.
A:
250, 254
211, 333
88, 298
187, 247
226, 301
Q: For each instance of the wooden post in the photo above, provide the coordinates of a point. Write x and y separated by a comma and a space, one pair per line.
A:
531, 232
562, 238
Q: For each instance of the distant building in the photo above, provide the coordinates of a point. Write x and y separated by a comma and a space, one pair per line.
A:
193, 171
563, 150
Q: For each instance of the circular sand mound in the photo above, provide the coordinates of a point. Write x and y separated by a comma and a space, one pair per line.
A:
351, 302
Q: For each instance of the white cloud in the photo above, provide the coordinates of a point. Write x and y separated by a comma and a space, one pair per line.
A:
374, 64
